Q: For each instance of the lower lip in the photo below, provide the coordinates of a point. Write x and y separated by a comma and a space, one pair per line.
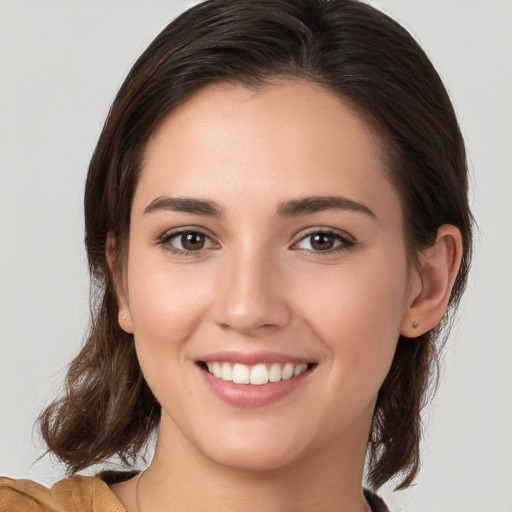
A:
247, 395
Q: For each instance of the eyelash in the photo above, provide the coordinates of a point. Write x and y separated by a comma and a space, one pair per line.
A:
166, 238
346, 242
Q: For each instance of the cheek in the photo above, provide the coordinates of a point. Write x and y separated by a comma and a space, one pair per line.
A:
357, 314
166, 308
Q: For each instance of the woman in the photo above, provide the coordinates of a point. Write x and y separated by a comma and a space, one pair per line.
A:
277, 221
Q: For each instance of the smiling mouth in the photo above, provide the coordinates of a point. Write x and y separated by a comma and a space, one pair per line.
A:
258, 374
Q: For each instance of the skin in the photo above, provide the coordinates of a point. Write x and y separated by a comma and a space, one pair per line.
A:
258, 284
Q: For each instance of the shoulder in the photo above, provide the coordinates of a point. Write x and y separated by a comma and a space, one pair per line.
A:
74, 494
23, 495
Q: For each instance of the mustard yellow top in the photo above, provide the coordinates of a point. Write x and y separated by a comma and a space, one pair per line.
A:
74, 494
84, 494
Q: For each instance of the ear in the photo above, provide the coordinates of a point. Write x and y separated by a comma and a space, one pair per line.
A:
124, 313
432, 282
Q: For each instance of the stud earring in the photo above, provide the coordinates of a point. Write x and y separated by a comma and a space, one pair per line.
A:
124, 317
415, 325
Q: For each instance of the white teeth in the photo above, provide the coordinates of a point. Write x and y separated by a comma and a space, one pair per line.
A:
287, 371
240, 374
226, 372
257, 375
216, 370
300, 368
274, 375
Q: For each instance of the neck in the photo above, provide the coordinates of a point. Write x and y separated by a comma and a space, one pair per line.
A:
328, 480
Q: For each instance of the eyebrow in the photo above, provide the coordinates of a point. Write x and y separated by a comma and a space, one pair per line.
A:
321, 203
292, 208
185, 204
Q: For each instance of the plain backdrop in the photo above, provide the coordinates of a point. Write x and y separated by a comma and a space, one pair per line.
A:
61, 63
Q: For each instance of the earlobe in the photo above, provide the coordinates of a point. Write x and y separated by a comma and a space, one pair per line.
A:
437, 270
125, 321
124, 314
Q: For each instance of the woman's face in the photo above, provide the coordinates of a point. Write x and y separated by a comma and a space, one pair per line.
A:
266, 243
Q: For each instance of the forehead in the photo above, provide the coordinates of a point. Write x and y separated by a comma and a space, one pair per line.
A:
283, 139
305, 107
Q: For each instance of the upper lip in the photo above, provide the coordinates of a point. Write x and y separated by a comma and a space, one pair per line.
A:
252, 358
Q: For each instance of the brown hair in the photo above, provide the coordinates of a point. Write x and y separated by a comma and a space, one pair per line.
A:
353, 51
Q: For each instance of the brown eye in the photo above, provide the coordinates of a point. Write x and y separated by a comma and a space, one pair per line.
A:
186, 242
192, 241
325, 241
322, 242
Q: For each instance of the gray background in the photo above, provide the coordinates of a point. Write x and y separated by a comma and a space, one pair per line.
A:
61, 63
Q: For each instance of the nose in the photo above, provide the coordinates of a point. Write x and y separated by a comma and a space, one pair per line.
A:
251, 296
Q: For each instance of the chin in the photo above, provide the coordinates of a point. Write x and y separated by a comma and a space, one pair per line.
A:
258, 448
254, 460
